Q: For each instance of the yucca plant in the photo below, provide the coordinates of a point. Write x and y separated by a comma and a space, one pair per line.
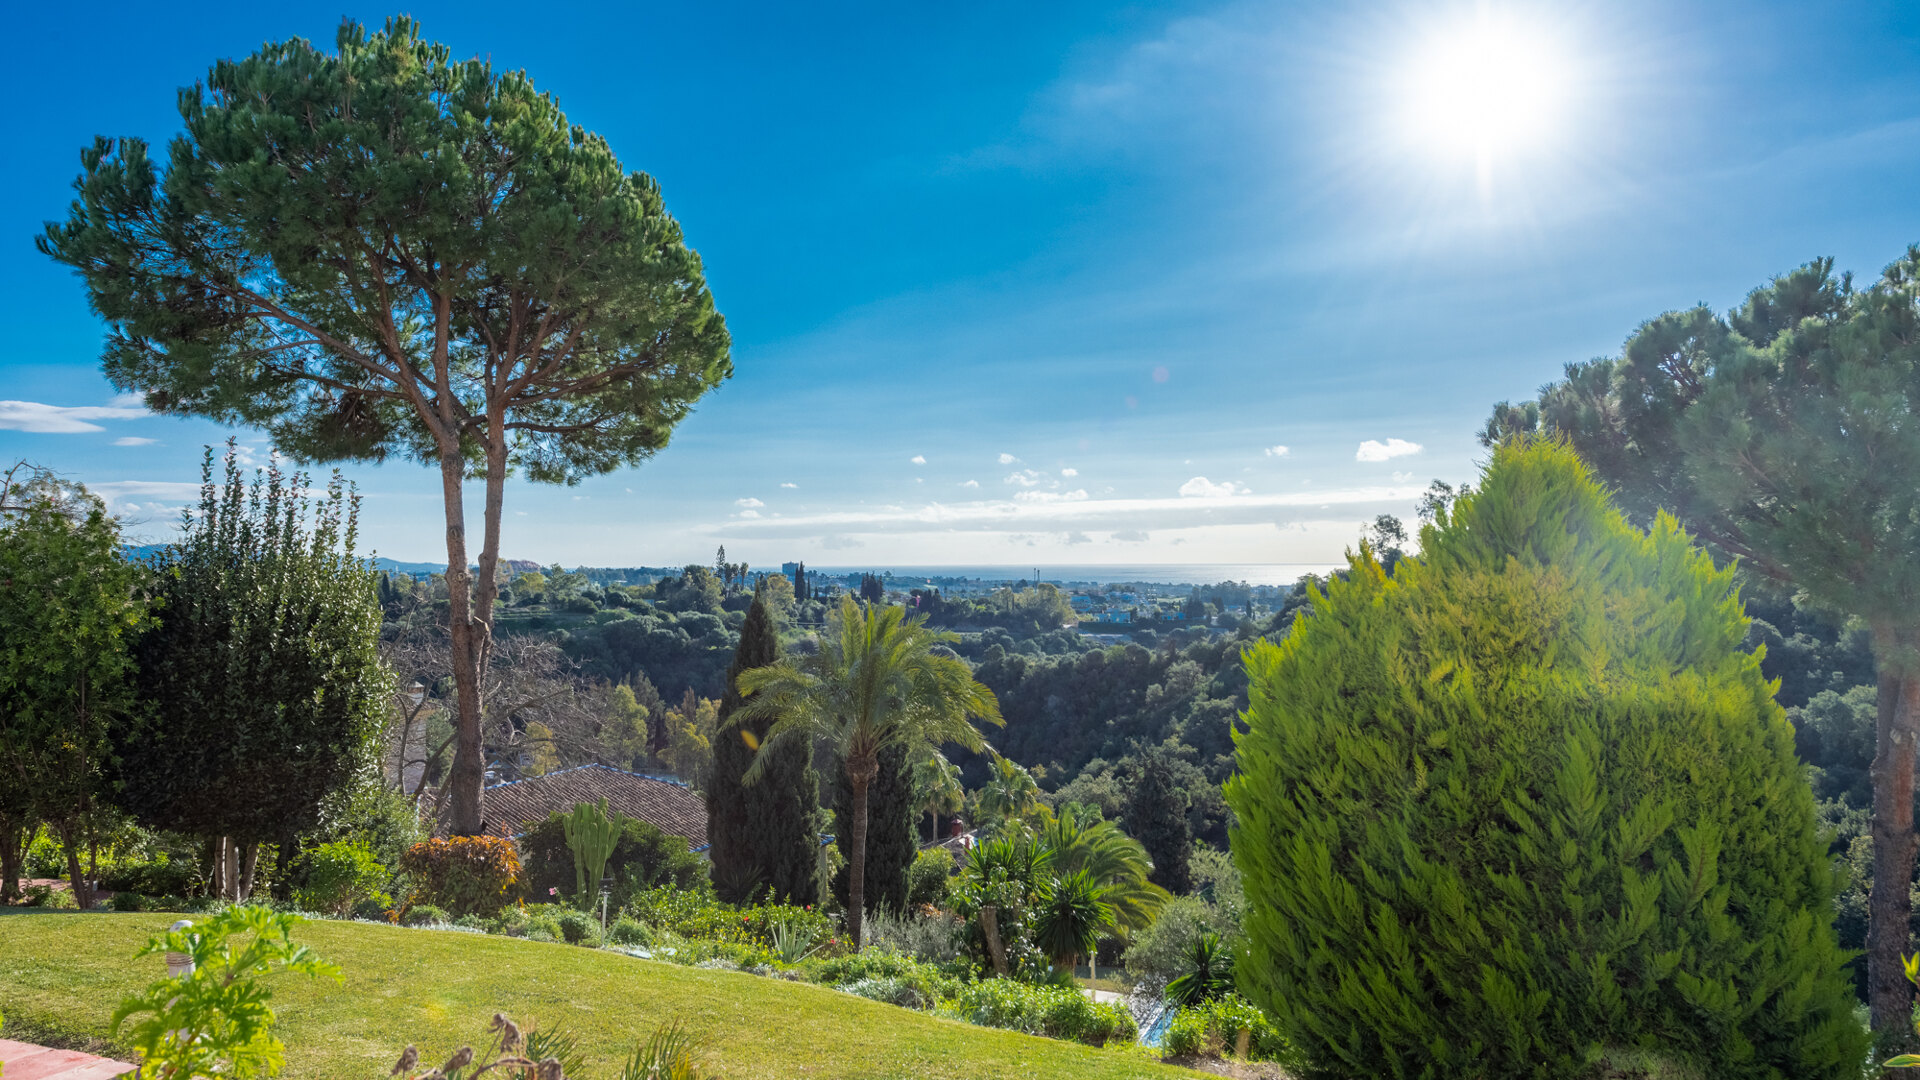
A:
1208, 975
670, 1053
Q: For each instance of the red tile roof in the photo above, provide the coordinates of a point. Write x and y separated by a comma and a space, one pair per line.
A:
669, 805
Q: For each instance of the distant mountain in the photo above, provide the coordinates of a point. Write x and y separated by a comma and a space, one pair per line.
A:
394, 566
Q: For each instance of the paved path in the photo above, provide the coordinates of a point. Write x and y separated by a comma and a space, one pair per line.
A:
25, 1061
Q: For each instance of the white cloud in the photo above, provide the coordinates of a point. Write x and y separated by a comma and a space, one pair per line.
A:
65, 420
918, 459
748, 502
971, 484
1008, 459
1069, 472
747, 514
1025, 478
1201, 487
133, 440
1275, 451
1402, 477
1049, 496
789, 485
1375, 450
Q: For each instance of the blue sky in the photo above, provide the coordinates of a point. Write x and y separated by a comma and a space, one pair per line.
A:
1053, 283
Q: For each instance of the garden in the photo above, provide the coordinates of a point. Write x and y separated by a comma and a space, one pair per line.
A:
1516, 796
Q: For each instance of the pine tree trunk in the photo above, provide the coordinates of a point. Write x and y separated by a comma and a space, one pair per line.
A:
1890, 905
230, 870
463, 813
857, 859
249, 863
15, 838
283, 881
69, 832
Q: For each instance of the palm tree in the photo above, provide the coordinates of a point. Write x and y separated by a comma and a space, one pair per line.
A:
937, 790
1011, 796
1114, 860
879, 679
1072, 916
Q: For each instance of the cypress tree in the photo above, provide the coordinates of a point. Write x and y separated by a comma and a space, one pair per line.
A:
762, 833
1527, 801
1156, 815
891, 842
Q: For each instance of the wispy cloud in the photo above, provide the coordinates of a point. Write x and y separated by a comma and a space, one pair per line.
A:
1056, 513
971, 484
1069, 472
750, 502
33, 416
1275, 451
133, 440
1375, 450
1008, 459
918, 459
789, 485
1025, 478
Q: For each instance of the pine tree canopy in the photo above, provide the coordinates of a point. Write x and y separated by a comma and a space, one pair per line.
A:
374, 251
1526, 803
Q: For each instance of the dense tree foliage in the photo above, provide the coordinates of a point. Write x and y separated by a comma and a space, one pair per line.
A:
383, 251
1527, 800
263, 686
763, 834
69, 608
1785, 433
676, 651
1156, 815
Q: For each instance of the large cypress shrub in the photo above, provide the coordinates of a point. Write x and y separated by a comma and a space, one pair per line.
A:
891, 840
764, 835
1525, 808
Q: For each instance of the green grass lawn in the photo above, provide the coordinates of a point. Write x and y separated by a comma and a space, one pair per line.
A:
65, 973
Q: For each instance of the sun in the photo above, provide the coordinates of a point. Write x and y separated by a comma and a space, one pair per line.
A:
1487, 89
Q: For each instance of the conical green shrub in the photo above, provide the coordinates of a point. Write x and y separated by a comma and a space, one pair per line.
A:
1525, 808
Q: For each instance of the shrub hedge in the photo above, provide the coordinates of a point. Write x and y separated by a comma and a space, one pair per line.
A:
1057, 1012
1528, 799
467, 875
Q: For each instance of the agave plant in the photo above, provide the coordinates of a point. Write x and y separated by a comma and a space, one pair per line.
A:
791, 943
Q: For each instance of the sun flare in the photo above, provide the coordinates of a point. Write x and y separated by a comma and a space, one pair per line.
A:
1488, 89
